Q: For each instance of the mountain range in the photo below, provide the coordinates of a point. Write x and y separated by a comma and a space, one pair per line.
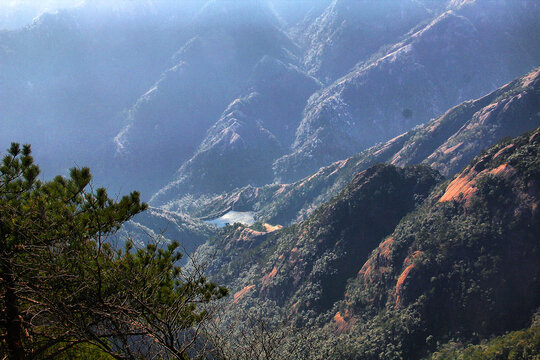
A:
349, 113
387, 152
446, 143
455, 57
160, 97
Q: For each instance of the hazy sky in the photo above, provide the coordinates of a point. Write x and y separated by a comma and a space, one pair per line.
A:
37, 4
17, 13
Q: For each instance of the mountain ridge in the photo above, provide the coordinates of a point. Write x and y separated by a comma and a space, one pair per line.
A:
477, 124
470, 247
423, 74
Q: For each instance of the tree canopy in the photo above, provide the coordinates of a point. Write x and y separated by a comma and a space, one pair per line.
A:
64, 283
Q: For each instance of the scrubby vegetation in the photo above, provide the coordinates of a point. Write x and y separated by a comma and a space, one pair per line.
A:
393, 268
516, 345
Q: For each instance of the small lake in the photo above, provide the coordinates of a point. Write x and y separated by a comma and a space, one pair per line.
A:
243, 217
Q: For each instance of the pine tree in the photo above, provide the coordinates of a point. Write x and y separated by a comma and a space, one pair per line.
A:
63, 283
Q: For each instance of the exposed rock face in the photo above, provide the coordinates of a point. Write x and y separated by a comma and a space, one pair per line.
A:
460, 55
454, 139
328, 247
486, 218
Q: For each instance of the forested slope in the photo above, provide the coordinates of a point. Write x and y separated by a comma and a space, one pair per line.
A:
388, 269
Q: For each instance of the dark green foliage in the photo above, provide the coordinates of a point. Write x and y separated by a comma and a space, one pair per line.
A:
64, 284
340, 235
467, 268
305, 267
81, 351
461, 270
517, 345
